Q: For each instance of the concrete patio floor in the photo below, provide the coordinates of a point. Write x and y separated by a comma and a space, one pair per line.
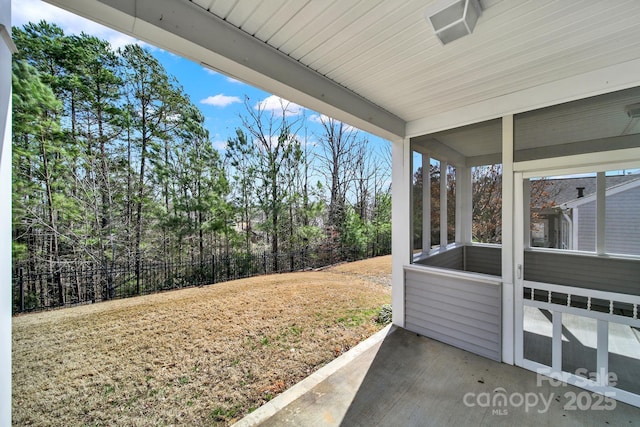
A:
397, 378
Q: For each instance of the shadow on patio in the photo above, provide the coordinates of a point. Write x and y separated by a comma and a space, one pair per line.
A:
401, 379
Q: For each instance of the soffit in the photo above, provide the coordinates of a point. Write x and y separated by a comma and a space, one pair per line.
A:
386, 52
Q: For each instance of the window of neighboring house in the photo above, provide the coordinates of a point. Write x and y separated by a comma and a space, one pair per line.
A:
559, 216
486, 184
564, 212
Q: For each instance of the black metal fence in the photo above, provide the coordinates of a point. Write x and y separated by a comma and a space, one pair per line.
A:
39, 288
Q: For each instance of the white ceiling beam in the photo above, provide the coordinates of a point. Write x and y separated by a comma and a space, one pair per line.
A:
437, 150
581, 147
186, 29
485, 159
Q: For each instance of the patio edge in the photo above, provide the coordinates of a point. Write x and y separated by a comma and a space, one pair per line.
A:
270, 408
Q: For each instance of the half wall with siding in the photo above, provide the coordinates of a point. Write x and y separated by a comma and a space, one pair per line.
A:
458, 308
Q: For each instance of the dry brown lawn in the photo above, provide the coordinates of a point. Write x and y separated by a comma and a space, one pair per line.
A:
199, 356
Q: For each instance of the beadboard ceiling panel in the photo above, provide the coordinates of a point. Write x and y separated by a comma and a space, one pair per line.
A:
386, 51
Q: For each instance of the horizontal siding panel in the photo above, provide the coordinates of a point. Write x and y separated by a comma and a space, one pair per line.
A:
622, 224
453, 286
464, 344
602, 273
488, 301
485, 303
468, 318
484, 260
454, 310
480, 338
418, 294
560, 277
452, 258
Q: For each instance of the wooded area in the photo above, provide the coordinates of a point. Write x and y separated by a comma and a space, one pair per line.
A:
113, 165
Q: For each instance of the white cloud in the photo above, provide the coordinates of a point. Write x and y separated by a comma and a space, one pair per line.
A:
219, 144
276, 104
318, 118
24, 11
234, 81
220, 100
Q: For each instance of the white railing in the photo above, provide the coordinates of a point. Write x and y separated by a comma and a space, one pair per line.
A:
556, 293
558, 299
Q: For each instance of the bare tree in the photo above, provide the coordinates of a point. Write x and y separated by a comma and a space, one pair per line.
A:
341, 147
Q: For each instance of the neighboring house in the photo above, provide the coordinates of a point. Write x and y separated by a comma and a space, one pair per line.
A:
569, 221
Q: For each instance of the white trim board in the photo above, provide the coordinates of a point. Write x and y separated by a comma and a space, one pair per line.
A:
580, 163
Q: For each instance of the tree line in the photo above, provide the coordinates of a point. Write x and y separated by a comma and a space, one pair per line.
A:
112, 163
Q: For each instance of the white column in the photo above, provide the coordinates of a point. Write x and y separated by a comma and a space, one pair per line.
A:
601, 203
507, 241
5, 219
464, 205
443, 204
520, 206
400, 224
426, 204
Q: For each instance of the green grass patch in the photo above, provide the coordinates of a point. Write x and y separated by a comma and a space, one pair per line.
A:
224, 414
357, 317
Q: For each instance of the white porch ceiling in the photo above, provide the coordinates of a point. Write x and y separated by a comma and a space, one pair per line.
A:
384, 67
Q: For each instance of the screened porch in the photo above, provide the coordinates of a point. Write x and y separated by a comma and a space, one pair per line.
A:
525, 241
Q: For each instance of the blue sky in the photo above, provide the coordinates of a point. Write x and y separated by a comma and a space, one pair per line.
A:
220, 98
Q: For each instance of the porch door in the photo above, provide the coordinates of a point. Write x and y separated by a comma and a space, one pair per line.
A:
572, 333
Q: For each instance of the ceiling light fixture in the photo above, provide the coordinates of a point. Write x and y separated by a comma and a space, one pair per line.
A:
453, 19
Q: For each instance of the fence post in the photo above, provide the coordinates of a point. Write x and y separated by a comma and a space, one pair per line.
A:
21, 284
58, 279
264, 261
213, 268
